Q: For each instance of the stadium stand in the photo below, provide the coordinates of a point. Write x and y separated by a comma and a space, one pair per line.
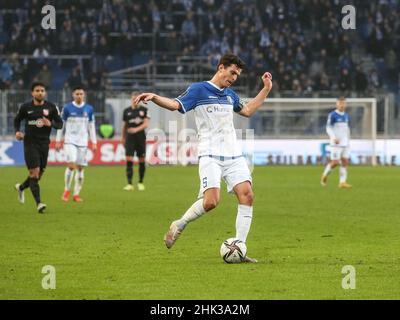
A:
284, 37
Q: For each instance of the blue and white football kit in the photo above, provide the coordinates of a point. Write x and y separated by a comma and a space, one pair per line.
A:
338, 128
220, 155
78, 125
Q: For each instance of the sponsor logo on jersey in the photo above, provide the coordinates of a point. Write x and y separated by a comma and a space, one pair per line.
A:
45, 112
217, 108
212, 97
136, 120
38, 123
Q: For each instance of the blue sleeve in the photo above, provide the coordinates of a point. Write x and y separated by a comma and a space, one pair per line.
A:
237, 103
331, 120
65, 113
91, 114
188, 99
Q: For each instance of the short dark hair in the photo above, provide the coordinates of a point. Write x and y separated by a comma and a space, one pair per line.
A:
229, 59
78, 88
37, 84
341, 98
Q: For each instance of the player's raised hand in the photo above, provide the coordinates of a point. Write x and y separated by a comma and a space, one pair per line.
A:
19, 136
145, 97
267, 80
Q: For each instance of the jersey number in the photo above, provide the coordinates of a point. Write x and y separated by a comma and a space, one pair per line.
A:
204, 182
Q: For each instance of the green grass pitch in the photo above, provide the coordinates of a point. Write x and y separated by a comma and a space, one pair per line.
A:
111, 246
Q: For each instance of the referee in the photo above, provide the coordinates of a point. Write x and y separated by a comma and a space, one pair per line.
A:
135, 121
40, 116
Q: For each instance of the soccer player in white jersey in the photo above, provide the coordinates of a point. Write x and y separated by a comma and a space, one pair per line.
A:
79, 125
220, 155
338, 130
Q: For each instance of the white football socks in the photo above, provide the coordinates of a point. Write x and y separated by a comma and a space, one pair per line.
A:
78, 182
69, 174
243, 221
343, 174
194, 212
327, 170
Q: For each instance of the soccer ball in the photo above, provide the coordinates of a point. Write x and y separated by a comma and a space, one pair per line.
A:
233, 250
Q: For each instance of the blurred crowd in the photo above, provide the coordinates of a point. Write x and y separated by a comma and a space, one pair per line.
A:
301, 42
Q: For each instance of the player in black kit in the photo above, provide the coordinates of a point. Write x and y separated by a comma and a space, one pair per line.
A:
40, 116
136, 120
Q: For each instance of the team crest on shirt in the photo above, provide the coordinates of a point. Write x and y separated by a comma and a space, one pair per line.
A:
45, 112
141, 113
230, 99
85, 114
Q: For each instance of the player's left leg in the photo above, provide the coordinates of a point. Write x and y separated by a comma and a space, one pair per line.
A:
78, 183
244, 194
343, 174
71, 155
81, 163
141, 152
20, 187
238, 179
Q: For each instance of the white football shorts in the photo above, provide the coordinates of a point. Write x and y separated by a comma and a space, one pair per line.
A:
75, 154
232, 171
338, 153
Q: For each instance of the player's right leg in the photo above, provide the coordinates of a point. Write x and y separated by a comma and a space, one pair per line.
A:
335, 158
129, 153
35, 159
71, 154
129, 173
210, 179
20, 187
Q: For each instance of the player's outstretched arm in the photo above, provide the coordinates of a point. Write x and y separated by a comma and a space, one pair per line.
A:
251, 107
163, 102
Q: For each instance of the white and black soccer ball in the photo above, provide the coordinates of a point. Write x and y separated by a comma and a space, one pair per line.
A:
233, 250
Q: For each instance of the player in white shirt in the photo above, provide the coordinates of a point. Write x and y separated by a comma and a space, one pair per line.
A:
220, 155
338, 130
79, 125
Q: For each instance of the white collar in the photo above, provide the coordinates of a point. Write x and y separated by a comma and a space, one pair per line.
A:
215, 86
340, 112
78, 105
